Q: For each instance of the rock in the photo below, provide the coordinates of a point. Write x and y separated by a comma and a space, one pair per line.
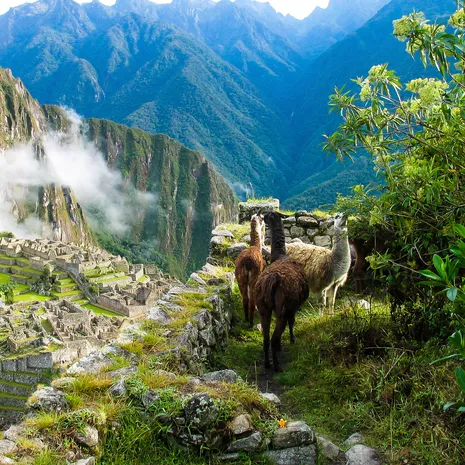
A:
88, 437
362, 455
356, 438
119, 389
328, 448
241, 424
207, 336
195, 277
48, 399
307, 221
250, 208
222, 233
297, 231
165, 374
88, 461
6, 446
158, 314
216, 241
92, 363
289, 220
229, 457
249, 444
215, 281
295, 433
322, 241
269, 395
63, 383
362, 303
296, 240
246, 238
234, 250
225, 376
122, 372
13, 433
149, 398
293, 456
210, 269
6, 460
201, 412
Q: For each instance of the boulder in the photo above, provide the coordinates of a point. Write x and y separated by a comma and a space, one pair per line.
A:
6, 446
224, 376
223, 233
122, 372
269, 395
356, 438
234, 250
249, 444
195, 277
293, 456
328, 449
295, 433
88, 461
6, 460
322, 241
13, 433
149, 398
201, 411
119, 389
241, 424
92, 363
48, 399
362, 455
159, 314
87, 437
307, 221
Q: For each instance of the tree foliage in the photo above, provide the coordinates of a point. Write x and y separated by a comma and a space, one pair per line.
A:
415, 134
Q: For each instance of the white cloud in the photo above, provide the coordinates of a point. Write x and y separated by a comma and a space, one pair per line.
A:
73, 162
298, 8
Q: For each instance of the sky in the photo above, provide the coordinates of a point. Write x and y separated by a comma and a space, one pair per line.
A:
298, 8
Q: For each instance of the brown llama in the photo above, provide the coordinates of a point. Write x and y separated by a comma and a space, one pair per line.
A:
249, 265
281, 289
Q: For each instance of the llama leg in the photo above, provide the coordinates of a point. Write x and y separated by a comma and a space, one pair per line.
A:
265, 322
244, 289
333, 300
330, 297
252, 305
276, 341
291, 328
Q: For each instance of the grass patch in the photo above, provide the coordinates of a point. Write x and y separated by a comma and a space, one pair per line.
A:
101, 311
348, 373
4, 278
31, 297
238, 230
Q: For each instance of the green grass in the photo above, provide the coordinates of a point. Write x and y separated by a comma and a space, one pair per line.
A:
348, 373
4, 395
4, 278
101, 311
14, 384
31, 297
66, 294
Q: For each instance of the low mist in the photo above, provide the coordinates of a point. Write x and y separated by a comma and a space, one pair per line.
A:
69, 161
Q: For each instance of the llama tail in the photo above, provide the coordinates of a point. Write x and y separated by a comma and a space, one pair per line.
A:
271, 284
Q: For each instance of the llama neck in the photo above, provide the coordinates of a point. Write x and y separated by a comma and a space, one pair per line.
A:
255, 238
341, 249
278, 242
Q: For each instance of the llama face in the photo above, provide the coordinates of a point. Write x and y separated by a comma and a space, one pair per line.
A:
257, 225
340, 221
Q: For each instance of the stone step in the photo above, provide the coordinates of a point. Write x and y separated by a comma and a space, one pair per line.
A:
20, 279
20, 389
10, 415
25, 377
10, 400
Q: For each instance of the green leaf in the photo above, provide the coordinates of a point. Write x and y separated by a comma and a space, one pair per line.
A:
460, 375
460, 228
449, 405
451, 293
431, 275
443, 359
